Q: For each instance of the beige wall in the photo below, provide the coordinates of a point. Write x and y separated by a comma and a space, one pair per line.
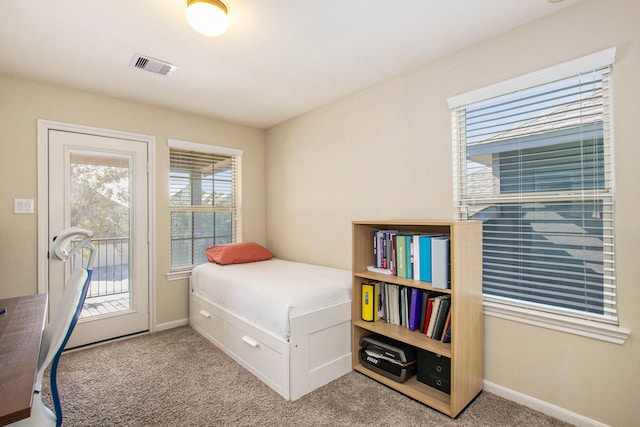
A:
385, 153
22, 103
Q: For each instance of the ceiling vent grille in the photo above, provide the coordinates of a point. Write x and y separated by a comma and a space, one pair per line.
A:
152, 65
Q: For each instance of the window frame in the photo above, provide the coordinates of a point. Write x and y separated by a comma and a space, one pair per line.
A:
492, 306
181, 272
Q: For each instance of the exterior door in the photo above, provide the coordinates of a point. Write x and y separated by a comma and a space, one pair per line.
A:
100, 184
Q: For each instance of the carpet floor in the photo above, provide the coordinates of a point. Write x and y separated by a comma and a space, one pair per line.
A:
178, 378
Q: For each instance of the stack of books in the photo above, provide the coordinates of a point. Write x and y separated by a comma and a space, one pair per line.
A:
423, 257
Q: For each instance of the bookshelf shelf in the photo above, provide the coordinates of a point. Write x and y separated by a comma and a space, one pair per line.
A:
465, 348
414, 389
401, 281
403, 334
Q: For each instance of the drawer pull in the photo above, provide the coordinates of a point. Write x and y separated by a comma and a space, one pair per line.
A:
250, 341
205, 313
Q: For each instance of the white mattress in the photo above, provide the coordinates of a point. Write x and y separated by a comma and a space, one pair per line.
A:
267, 293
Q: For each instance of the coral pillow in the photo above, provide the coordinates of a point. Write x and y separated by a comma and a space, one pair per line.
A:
238, 253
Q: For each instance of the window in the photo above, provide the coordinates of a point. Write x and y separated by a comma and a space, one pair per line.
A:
203, 200
534, 163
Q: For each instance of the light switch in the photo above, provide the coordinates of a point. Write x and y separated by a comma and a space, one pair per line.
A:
23, 206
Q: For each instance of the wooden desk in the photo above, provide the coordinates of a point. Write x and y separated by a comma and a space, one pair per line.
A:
21, 329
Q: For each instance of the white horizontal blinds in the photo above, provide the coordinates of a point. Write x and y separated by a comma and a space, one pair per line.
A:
536, 166
203, 203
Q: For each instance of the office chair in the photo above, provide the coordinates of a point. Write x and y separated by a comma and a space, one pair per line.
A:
57, 332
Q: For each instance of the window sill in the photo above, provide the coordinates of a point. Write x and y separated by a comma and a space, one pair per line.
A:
590, 329
178, 275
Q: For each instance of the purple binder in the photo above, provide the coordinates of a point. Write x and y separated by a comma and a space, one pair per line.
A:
415, 309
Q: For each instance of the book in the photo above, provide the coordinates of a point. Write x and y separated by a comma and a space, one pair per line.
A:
403, 304
432, 318
409, 243
423, 310
392, 252
394, 305
440, 262
376, 252
370, 294
383, 248
385, 291
427, 316
406, 305
447, 328
401, 256
374, 269
387, 299
434, 314
415, 309
446, 338
441, 318
382, 314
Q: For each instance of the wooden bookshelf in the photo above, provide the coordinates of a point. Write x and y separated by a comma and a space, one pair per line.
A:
465, 349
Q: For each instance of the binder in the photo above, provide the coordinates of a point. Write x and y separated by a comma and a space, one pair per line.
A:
415, 245
443, 311
401, 256
394, 304
380, 292
434, 314
423, 311
425, 248
403, 307
415, 309
440, 262
370, 301
409, 243
427, 317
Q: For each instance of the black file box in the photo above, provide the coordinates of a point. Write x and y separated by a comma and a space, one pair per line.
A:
434, 370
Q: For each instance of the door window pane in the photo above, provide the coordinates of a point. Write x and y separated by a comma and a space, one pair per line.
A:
100, 200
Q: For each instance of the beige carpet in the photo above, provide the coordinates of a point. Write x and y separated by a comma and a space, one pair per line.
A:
178, 378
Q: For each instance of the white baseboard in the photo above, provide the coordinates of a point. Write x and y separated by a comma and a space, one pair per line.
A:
541, 406
171, 325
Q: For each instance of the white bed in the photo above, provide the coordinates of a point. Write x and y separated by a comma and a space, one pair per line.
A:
288, 323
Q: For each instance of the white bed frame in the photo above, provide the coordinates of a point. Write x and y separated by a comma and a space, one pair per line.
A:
318, 350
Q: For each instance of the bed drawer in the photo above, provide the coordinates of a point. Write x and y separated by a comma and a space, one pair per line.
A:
260, 358
208, 322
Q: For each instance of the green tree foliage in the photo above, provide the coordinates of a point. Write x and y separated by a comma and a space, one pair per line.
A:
100, 197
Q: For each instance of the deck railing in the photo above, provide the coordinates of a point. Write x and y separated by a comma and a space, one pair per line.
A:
111, 266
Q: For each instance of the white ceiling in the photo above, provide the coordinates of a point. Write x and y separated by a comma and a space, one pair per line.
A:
279, 58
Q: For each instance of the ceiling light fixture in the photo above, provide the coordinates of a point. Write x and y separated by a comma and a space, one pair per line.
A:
208, 17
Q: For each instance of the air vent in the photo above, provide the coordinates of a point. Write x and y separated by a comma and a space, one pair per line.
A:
152, 65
